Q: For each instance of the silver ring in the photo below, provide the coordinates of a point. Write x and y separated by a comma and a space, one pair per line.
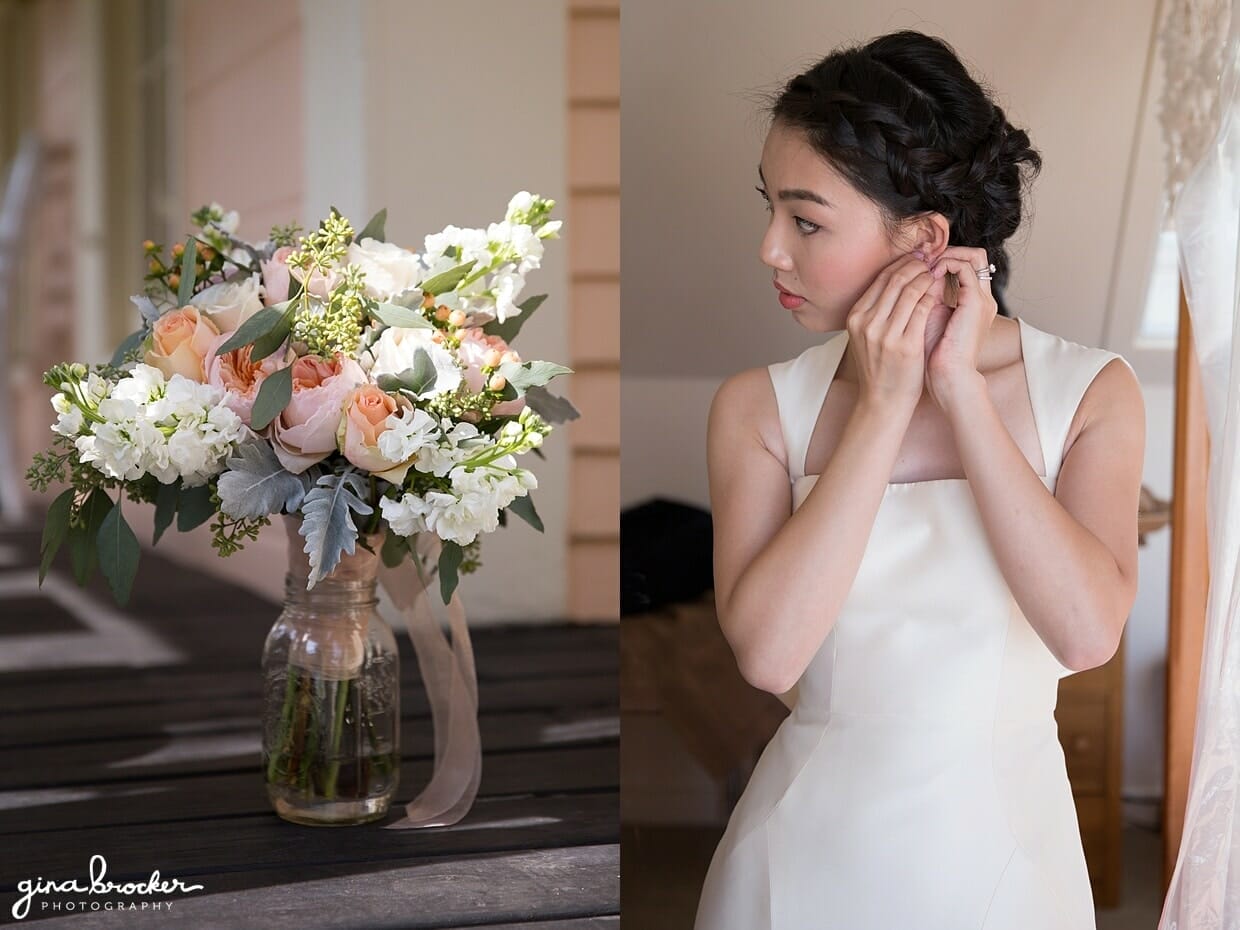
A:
983, 274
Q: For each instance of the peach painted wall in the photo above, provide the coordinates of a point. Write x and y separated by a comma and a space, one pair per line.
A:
594, 315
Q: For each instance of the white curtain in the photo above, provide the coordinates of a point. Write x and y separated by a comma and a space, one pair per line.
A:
1205, 887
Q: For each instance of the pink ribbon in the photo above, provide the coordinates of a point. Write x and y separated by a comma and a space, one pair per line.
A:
451, 684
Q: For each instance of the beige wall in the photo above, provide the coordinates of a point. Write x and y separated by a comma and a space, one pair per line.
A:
1071, 73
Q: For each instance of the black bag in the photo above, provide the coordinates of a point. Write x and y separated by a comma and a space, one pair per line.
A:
666, 553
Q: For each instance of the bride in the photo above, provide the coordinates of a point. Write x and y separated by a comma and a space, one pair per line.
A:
921, 523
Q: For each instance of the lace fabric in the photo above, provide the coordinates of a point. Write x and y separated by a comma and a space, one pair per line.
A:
1205, 887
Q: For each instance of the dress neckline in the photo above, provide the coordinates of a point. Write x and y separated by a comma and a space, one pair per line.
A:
1020, 333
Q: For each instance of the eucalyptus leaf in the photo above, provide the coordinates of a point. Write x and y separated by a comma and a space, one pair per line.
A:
255, 484
261, 323
267, 343
410, 298
188, 264
55, 531
422, 376
508, 329
450, 558
395, 548
118, 554
523, 507
194, 507
83, 540
523, 375
551, 407
326, 525
404, 317
166, 500
447, 280
132, 341
374, 229
273, 396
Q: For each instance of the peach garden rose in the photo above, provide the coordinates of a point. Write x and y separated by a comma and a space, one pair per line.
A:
179, 343
305, 432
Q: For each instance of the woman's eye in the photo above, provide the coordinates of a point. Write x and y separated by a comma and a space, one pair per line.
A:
765, 199
806, 227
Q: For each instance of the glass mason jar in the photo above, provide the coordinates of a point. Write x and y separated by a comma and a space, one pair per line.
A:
331, 719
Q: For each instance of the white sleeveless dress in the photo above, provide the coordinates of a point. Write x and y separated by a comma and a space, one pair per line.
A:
918, 783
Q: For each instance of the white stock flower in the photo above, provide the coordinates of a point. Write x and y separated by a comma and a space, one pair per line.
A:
407, 433
388, 268
173, 429
458, 442
406, 515
521, 203
69, 420
394, 351
460, 519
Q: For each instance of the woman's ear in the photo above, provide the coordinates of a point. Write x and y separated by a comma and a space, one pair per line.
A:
931, 235
928, 233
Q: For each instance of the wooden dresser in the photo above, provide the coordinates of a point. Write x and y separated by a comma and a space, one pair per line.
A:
1090, 714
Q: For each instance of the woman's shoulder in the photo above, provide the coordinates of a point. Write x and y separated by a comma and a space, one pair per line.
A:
745, 405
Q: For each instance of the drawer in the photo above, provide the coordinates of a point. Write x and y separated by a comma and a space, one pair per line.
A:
1083, 735
1091, 812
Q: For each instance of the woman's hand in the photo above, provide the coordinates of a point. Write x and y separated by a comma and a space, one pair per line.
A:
887, 329
953, 353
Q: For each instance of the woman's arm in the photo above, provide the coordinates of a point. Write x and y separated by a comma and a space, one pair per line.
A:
782, 576
1070, 557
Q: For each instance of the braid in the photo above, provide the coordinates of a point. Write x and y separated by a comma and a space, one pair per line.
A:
905, 123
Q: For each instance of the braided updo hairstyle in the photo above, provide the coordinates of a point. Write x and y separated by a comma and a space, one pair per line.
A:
901, 118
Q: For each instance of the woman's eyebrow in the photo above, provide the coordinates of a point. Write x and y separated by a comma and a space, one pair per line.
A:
798, 193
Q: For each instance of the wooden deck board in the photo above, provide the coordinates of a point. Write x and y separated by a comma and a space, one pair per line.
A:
157, 767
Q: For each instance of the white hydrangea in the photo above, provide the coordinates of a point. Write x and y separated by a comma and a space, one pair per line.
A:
170, 429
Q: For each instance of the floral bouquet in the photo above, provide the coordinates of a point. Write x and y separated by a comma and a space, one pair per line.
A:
369, 393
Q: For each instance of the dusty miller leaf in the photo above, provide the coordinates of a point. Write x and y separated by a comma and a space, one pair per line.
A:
256, 484
326, 525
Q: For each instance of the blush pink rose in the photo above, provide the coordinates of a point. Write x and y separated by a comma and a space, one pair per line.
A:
365, 420
276, 276
179, 343
475, 350
305, 432
239, 376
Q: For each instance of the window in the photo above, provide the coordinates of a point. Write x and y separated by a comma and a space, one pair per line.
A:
1160, 320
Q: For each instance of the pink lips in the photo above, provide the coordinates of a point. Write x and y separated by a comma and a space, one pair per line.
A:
787, 299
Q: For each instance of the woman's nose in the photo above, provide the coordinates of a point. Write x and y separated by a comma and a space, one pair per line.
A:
772, 252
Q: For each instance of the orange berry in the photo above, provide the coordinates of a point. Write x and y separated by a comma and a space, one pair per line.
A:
178, 250
428, 301
208, 253
509, 357
174, 280
149, 245
457, 317
437, 336
492, 358
441, 313
497, 383
155, 266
